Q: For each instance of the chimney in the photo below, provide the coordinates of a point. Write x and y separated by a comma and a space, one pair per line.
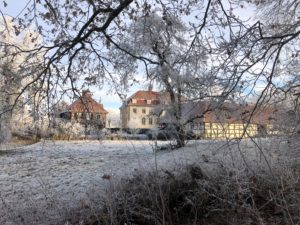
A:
150, 87
86, 93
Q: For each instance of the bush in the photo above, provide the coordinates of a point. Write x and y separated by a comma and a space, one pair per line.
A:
66, 130
191, 197
143, 131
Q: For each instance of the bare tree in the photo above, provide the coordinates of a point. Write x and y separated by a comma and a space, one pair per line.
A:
160, 40
241, 51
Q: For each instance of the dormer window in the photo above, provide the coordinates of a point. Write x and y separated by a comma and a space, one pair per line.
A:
148, 102
134, 101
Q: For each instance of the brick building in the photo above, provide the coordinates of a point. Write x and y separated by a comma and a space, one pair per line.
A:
86, 110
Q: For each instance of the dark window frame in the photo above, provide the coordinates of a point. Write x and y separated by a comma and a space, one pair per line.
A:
150, 121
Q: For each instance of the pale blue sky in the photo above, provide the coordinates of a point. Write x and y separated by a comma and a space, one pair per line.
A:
109, 99
14, 7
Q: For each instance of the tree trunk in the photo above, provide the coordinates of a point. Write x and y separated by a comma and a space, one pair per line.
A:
180, 141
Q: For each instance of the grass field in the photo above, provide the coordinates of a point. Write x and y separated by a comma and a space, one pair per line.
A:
50, 182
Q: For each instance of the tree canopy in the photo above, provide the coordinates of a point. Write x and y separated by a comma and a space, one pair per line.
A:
199, 48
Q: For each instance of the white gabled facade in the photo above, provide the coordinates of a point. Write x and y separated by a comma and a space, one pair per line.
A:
138, 110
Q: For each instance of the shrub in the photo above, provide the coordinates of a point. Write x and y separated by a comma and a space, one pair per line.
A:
191, 197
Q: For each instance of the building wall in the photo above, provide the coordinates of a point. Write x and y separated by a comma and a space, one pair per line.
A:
197, 127
132, 117
98, 119
272, 130
138, 117
226, 130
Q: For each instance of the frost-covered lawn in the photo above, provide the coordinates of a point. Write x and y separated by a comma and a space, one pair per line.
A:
44, 182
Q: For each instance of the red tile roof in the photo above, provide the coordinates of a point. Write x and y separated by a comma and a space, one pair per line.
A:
86, 103
229, 112
148, 95
156, 98
141, 98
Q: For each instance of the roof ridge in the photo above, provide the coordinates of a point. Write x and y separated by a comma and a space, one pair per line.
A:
86, 102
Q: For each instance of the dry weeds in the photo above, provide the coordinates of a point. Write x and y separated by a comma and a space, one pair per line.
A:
190, 196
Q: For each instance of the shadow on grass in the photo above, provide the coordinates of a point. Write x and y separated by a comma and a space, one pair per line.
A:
14, 147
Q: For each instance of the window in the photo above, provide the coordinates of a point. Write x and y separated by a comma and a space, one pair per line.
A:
143, 121
134, 101
150, 121
148, 102
144, 111
192, 126
134, 110
98, 116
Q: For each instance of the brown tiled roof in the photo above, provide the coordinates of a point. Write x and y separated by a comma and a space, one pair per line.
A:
264, 115
86, 103
147, 95
236, 113
141, 98
156, 98
228, 112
